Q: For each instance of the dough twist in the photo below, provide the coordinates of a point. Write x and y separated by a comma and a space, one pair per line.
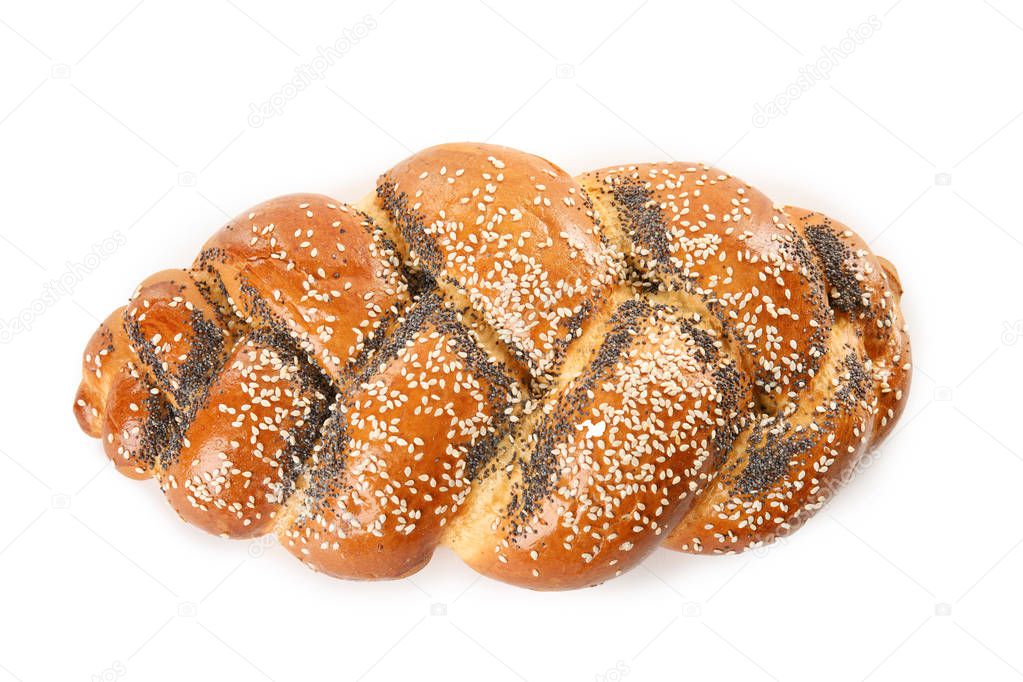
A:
551, 375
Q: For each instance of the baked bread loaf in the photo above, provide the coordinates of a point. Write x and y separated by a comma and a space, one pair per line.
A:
550, 375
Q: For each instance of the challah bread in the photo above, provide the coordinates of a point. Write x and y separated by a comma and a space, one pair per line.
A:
550, 375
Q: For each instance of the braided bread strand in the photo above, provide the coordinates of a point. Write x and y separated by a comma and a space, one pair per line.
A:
550, 375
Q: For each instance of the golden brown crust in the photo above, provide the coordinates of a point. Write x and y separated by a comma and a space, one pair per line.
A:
101, 362
597, 484
789, 463
245, 444
402, 449
146, 367
512, 233
871, 303
311, 266
785, 466
550, 375
129, 413
695, 229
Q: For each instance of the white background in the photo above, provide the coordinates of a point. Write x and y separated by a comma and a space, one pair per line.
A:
134, 120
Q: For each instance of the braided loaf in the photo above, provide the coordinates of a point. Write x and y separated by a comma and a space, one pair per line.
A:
551, 375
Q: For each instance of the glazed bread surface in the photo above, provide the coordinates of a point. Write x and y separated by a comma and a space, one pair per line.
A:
550, 375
